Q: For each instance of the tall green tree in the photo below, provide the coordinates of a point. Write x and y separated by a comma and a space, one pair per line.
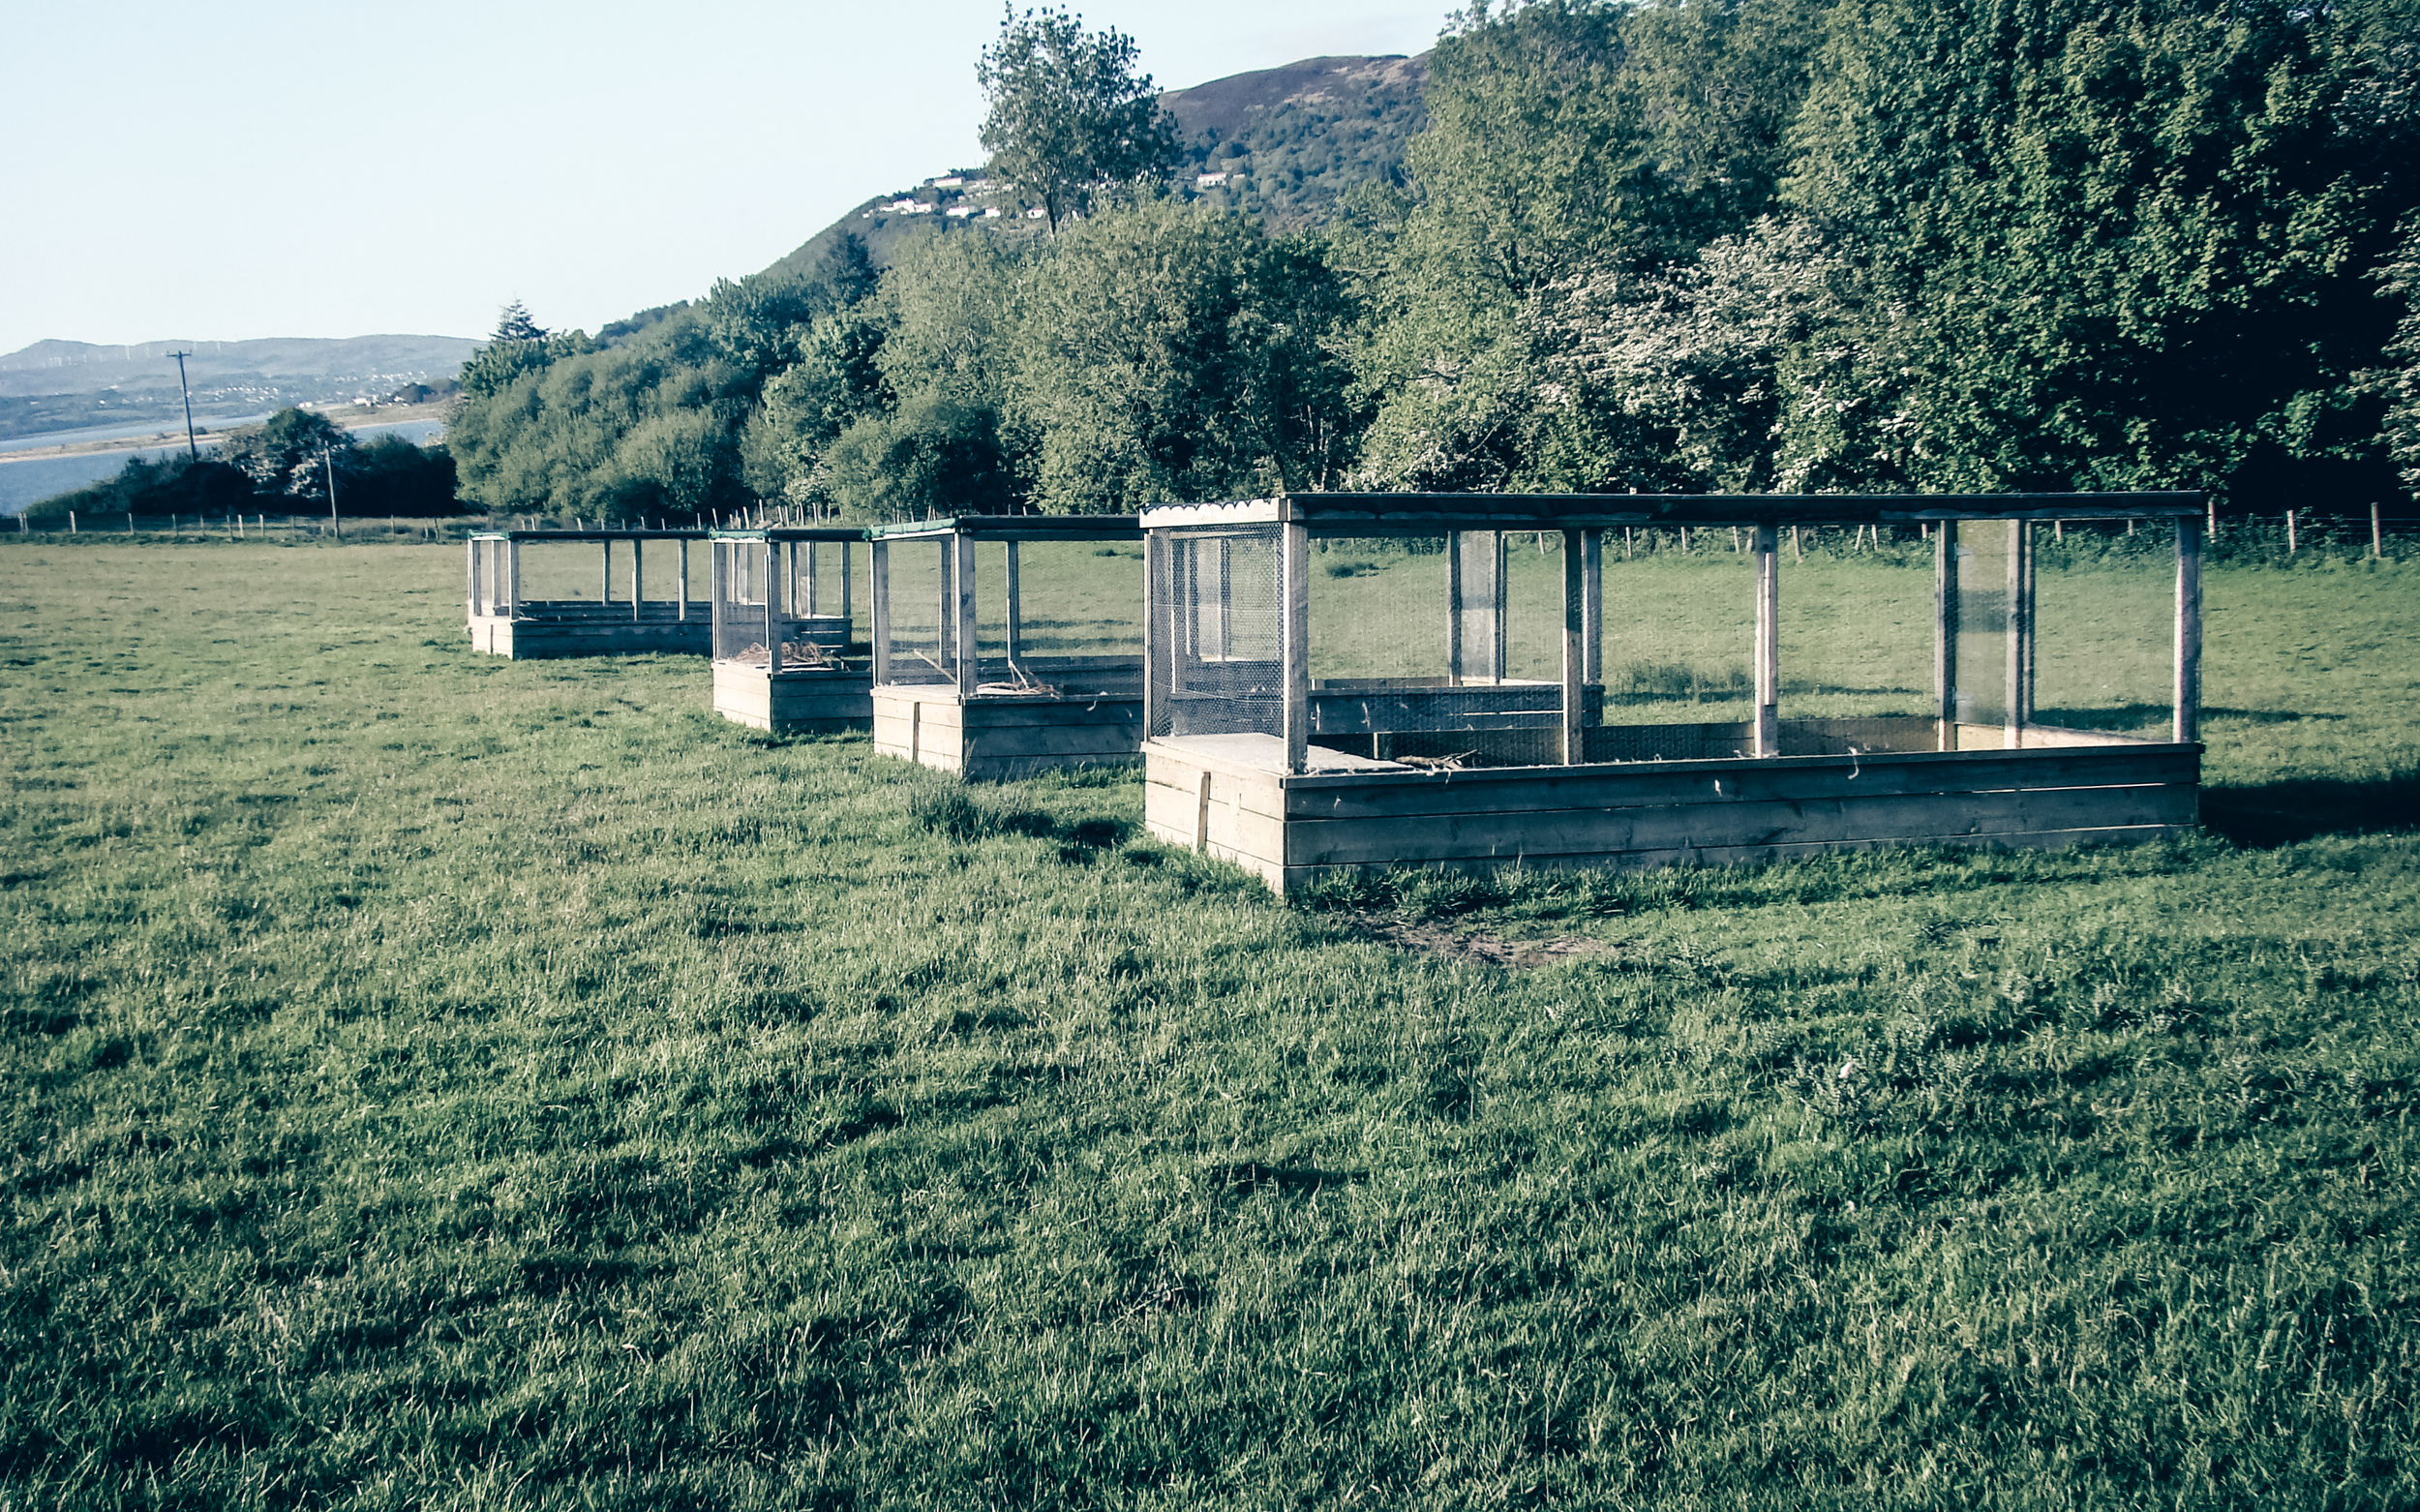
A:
1568, 142
2133, 240
1068, 117
1164, 353
289, 453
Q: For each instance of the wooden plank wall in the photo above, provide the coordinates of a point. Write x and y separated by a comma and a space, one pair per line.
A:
993, 739
1292, 829
796, 703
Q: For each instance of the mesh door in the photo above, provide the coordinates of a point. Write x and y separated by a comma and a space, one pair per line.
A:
1985, 557
739, 578
1216, 596
562, 577
1855, 634
2105, 628
1678, 645
918, 604
1060, 618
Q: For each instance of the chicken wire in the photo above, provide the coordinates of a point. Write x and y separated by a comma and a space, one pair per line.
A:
1058, 618
915, 591
2103, 626
794, 594
1219, 667
1854, 631
1679, 644
1051, 618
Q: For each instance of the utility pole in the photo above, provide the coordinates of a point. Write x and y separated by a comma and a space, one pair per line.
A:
180, 357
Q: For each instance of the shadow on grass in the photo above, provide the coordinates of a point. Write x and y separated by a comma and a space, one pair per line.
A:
2284, 813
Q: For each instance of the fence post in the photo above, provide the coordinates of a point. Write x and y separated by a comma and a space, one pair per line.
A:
2374, 552
2290, 546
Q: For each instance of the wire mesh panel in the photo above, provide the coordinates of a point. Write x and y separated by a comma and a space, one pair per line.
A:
916, 596
1856, 641
1217, 596
1985, 558
2105, 624
739, 592
1059, 617
563, 572
1677, 645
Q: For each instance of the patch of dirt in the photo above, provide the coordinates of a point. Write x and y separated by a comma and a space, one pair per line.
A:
1432, 939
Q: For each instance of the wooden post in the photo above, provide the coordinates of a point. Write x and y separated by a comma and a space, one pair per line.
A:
2019, 648
1201, 815
1453, 608
2375, 542
1015, 611
1294, 583
1797, 552
772, 607
605, 578
2211, 507
970, 661
2187, 633
638, 556
474, 580
1767, 639
1575, 652
1593, 607
814, 600
1946, 636
847, 614
1159, 637
1499, 596
718, 585
684, 579
2290, 546
512, 580
878, 580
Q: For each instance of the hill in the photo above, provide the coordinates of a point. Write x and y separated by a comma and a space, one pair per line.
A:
1281, 143
54, 385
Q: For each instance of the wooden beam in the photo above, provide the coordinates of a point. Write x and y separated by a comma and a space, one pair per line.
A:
969, 650
878, 574
2187, 633
1496, 596
1946, 636
1158, 632
1294, 584
773, 608
1767, 641
1453, 608
1574, 646
2013, 646
1592, 606
1015, 609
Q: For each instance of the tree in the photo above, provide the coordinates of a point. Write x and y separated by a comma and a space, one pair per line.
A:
1165, 352
1069, 117
289, 453
2133, 240
515, 325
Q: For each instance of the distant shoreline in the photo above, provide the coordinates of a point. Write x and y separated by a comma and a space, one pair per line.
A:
350, 417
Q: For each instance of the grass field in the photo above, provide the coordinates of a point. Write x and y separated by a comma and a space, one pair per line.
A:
443, 1082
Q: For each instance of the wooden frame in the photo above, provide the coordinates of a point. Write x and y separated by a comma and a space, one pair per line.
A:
501, 621
1291, 808
1044, 710
781, 662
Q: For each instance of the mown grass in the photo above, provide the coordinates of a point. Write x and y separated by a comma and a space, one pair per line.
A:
447, 1083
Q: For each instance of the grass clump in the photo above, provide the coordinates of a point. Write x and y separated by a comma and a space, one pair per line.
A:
552, 1095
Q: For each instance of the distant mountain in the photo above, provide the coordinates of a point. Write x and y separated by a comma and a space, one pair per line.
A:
57, 385
1287, 141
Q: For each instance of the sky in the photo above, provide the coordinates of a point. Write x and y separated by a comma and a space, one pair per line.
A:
185, 172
